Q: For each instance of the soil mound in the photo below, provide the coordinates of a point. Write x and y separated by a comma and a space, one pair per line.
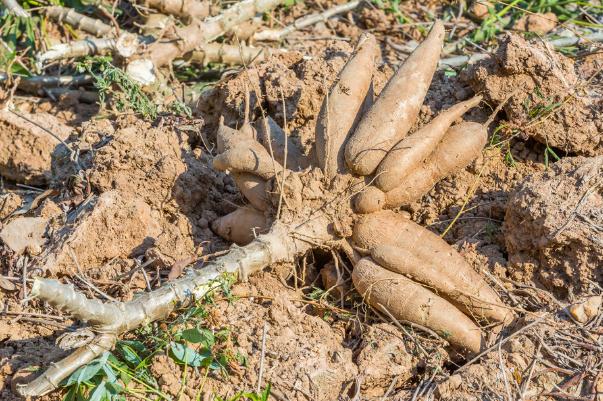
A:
553, 226
547, 99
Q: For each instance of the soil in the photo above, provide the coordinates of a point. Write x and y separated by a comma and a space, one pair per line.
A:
26, 145
544, 95
551, 227
145, 192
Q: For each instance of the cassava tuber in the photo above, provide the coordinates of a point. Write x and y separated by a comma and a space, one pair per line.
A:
396, 109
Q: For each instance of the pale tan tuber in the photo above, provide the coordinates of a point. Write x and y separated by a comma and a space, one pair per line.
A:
271, 135
405, 157
403, 246
396, 109
248, 156
345, 100
241, 226
407, 300
461, 144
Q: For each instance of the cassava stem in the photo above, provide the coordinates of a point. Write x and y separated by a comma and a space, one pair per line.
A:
109, 320
180, 8
198, 32
14, 7
231, 54
276, 35
91, 25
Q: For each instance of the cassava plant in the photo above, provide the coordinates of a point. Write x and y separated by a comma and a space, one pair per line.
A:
365, 164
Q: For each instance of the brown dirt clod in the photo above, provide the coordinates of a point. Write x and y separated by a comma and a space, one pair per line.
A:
551, 226
26, 148
548, 101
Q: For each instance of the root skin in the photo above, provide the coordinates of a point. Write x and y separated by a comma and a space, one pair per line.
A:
370, 200
247, 157
269, 133
253, 189
461, 144
228, 138
393, 114
342, 108
402, 246
240, 226
180, 8
452, 283
407, 300
407, 155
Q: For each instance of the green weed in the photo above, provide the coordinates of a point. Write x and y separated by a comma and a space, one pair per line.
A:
504, 14
249, 396
115, 87
187, 342
496, 141
549, 152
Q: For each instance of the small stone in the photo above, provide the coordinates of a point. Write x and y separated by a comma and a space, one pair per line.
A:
480, 9
537, 23
25, 233
584, 311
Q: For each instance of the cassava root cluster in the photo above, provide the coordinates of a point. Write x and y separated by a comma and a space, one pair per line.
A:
366, 163
398, 265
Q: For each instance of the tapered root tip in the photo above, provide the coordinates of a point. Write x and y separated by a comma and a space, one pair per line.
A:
370, 200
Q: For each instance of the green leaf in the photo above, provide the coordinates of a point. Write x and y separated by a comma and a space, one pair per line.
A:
130, 355
99, 393
111, 376
87, 372
185, 355
139, 347
70, 396
114, 388
199, 336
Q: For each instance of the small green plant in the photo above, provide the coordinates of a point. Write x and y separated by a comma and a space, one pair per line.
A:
248, 396
548, 151
503, 144
180, 109
538, 106
113, 83
106, 379
393, 7
504, 14
187, 342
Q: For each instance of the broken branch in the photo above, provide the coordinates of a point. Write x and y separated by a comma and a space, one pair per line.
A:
276, 35
91, 25
13, 7
180, 8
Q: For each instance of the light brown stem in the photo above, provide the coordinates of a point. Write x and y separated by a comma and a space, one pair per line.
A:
91, 25
198, 32
231, 54
276, 35
180, 8
15, 8
281, 244
78, 48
